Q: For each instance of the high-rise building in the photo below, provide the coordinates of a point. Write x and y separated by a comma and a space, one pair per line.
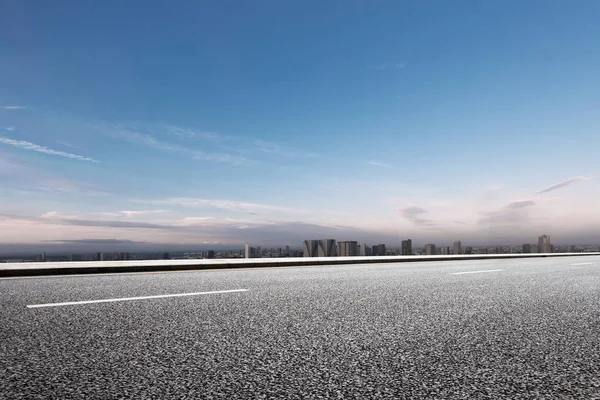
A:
327, 248
250, 252
362, 249
407, 247
210, 254
444, 250
310, 248
430, 249
457, 247
544, 244
381, 250
526, 249
348, 249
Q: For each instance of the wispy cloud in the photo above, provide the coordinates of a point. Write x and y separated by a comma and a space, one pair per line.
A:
563, 184
515, 205
414, 214
9, 128
220, 204
138, 138
72, 146
513, 213
134, 213
42, 149
13, 107
186, 133
275, 148
379, 164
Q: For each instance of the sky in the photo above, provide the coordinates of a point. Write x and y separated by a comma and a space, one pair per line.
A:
210, 124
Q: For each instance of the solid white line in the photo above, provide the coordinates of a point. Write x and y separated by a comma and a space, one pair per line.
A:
477, 272
585, 263
70, 303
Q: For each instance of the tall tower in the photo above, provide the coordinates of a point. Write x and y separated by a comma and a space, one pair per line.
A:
544, 245
327, 248
310, 248
457, 247
407, 247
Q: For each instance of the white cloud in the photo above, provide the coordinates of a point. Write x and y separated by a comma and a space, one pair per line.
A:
220, 204
186, 133
563, 184
42, 149
149, 141
379, 164
136, 213
13, 107
9, 128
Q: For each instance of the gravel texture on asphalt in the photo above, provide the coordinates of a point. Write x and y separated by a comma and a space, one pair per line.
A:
530, 331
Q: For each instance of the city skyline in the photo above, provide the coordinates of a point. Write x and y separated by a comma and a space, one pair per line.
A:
375, 124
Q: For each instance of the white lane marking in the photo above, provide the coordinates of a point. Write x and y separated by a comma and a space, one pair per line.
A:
70, 303
477, 272
585, 263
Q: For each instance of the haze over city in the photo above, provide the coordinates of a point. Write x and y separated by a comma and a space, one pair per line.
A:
279, 122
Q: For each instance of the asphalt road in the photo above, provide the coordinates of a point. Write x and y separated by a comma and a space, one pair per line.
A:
464, 329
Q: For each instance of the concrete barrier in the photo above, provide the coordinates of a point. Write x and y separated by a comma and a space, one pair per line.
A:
102, 267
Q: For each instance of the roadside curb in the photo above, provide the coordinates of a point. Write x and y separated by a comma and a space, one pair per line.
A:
72, 268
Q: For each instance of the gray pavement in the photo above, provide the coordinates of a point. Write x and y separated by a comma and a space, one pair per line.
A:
521, 328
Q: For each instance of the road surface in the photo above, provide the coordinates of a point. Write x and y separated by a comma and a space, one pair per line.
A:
523, 328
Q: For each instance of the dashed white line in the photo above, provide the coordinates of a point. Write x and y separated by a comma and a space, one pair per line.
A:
584, 263
477, 272
71, 303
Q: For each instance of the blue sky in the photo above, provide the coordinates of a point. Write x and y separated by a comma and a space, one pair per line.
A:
216, 123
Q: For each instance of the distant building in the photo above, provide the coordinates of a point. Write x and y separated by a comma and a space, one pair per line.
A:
430, 249
39, 258
249, 252
164, 256
407, 247
310, 248
327, 248
381, 250
526, 248
499, 250
210, 254
444, 250
362, 249
348, 249
544, 245
106, 256
457, 247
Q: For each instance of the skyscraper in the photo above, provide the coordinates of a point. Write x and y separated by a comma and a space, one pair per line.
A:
362, 250
381, 250
326, 248
407, 247
457, 247
348, 249
310, 248
526, 248
430, 249
544, 245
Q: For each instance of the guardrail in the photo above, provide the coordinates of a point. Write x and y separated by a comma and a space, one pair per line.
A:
100, 267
